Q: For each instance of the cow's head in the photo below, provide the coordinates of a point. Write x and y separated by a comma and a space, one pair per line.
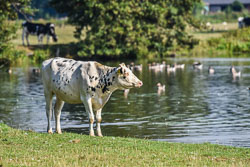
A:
126, 79
52, 32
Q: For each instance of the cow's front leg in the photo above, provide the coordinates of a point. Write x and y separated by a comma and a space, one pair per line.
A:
88, 107
57, 111
98, 122
48, 98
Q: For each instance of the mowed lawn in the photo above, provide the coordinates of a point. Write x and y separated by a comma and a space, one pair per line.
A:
214, 31
27, 148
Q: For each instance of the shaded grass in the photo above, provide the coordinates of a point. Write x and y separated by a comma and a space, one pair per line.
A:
26, 148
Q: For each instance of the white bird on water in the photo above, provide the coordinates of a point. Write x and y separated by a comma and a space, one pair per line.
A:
211, 70
161, 88
197, 65
234, 72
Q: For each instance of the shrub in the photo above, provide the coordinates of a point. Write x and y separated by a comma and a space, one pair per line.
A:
237, 6
237, 41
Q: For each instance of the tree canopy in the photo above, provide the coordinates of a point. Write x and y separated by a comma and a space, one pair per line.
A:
134, 28
237, 6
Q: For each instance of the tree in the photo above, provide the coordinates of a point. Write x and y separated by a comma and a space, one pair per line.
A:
129, 28
237, 6
8, 11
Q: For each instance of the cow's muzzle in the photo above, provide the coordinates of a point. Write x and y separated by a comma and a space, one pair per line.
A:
55, 38
138, 84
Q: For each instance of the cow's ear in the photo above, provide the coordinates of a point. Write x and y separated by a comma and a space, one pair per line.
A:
119, 71
122, 65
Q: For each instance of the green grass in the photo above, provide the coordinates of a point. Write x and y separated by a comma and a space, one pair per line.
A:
220, 43
26, 148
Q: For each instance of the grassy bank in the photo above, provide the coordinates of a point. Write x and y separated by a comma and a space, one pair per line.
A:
26, 148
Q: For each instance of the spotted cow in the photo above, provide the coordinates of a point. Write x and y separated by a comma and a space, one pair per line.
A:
87, 82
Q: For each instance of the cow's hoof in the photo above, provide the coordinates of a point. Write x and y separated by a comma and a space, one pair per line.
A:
92, 134
59, 132
50, 131
100, 135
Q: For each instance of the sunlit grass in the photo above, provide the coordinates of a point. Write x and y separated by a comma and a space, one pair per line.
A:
215, 31
26, 148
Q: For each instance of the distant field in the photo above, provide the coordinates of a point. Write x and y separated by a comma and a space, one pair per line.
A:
64, 33
217, 31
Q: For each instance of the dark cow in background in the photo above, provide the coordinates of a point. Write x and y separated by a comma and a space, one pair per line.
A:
244, 22
39, 30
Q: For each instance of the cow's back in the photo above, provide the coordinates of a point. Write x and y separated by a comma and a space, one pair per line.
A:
247, 21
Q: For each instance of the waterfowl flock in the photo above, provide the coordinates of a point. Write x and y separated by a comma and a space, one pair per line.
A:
172, 68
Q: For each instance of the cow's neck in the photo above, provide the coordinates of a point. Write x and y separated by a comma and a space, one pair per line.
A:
107, 82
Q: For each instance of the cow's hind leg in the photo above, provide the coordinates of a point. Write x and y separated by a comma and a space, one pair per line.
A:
40, 39
27, 39
48, 99
23, 35
98, 122
57, 111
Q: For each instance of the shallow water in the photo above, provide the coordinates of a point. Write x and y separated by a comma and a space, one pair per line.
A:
196, 107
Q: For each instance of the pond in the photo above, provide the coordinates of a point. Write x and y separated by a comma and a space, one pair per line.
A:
196, 106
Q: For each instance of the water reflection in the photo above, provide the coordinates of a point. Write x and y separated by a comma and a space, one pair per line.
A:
195, 107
